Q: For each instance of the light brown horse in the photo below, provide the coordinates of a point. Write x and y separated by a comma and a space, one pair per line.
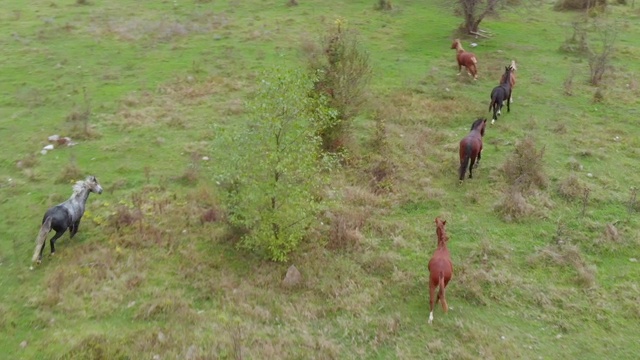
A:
512, 77
466, 59
440, 269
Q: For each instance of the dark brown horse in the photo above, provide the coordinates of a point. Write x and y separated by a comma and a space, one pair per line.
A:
512, 77
500, 94
440, 269
466, 59
471, 148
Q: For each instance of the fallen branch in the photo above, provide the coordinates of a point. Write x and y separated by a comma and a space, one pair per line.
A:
478, 34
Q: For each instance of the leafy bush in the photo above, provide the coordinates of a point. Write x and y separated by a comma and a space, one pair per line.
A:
278, 167
344, 72
579, 4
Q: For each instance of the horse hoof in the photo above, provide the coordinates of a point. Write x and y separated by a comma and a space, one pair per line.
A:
493, 121
430, 318
460, 182
31, 267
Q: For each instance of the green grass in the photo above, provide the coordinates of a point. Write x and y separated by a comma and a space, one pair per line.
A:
162, 79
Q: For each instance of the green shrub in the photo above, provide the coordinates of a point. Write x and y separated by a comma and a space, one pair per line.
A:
278, 167
344, 71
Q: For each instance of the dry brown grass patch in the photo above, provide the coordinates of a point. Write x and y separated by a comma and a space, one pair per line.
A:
566, 256
69, 173
513, 206
165, 306
525, 167
610, 235
381, 265
96, 347
166, 30
123, 217
572, 188
345, 225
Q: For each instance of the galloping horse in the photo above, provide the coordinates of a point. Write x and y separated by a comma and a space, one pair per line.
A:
500, 94
440, 269
512, 78
65, 216
466, 59
471, 147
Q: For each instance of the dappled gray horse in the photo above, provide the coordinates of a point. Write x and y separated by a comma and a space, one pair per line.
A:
65, 216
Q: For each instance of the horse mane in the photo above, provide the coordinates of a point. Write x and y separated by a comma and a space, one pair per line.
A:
80, 185
477, 123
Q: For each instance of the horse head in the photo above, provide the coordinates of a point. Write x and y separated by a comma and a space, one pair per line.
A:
480, 124
506, 77
455, 44
93, 185
442, 235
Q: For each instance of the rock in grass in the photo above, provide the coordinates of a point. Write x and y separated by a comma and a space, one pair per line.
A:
293, 277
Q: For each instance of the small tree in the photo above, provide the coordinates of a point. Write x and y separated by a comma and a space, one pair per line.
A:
474, 12
275, 165
600, 58
344, 71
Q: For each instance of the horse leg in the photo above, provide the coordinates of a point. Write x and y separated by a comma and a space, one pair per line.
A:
74, 228
53, 240
479, 157
445, 307
509, 103
432, 293
473, 161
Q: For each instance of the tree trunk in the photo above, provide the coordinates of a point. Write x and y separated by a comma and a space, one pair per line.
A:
474, 14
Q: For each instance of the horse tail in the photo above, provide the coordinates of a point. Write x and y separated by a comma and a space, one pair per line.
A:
42, 236
465, 156
441, 284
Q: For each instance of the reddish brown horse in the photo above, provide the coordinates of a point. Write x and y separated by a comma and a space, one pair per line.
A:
512, 77
471, 148
440, 269
466, 59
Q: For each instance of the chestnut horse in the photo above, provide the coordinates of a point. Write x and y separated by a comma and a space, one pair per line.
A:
440, 269
512, 78
471, 148
500, 94
466, 59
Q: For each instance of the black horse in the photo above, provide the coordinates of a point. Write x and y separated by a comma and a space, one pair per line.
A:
500, 94
65, 216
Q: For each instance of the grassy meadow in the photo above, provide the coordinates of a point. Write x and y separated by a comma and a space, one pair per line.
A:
144, 89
